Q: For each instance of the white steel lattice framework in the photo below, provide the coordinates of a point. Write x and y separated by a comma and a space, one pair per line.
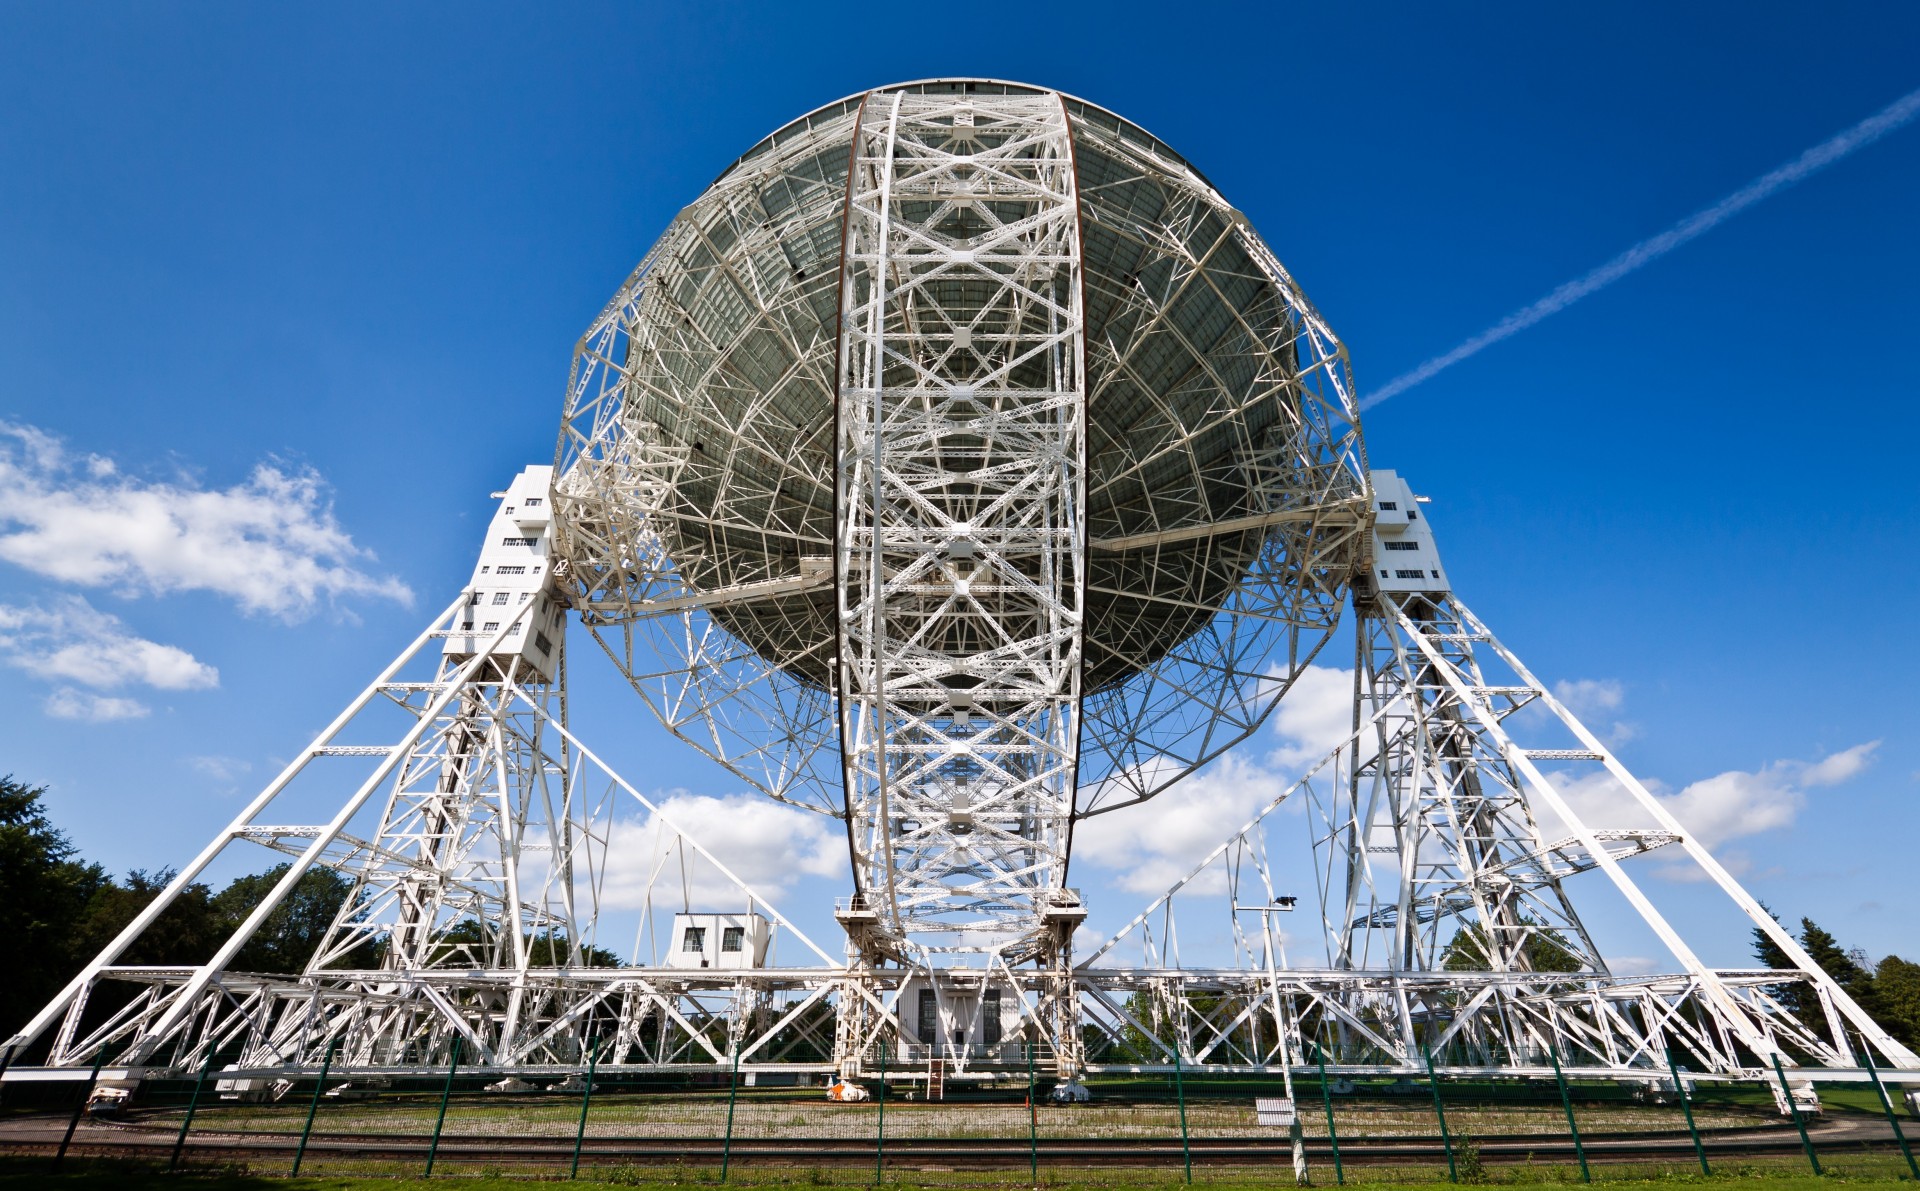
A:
961, 440
960, 466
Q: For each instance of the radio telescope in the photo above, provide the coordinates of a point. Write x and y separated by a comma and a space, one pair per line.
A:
973, 412
959, 466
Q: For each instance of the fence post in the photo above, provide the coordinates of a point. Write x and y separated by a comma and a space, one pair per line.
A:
1806, 1142
433, 1147
1033, 1121
880, 1133
1687, 1107
586, 1098
1180, 1092
1440, 1110
1326, 1098
313, 1107
193, 1105
1886, 1102
1566, 1102
733, 1094
80, 1110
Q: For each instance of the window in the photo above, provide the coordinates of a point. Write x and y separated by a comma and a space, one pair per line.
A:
523, 597
1413, 514
467, 624
475, 599
533, 502
517, 541
1388, 506
1409, 574
490, 626
695, 940
510, 570
929, 1030
1402, 545
990, 1017
545, 645
731, 937
499, 597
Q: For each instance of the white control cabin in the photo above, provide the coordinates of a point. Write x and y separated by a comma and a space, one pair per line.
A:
960, 1013
1404, 556
727, 941
513, 576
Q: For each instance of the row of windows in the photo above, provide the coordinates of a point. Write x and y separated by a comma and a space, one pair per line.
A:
509, 570
1401, 545
518, 541
1388, 506
732, 938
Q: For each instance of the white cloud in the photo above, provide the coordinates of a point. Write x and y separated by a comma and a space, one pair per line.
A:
71, 640
69, 704
1595, 699
768, 846
1155, 844
271, 543
1838, 767
221, 769
1587, 696
1314, 716
1719, 808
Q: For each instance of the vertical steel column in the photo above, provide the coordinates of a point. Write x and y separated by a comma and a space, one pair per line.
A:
446, 1093
586, 1098
1440, 1111
733, 1094
1180, 1093
1886, 1102
1685, 1106
1033, 1121
1799, 1123
193, 1105
1573, 1127
960, 553
880, 1130
60, 1155
313, 1108
1333, 1137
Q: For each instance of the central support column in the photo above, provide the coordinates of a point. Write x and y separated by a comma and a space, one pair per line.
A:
960, 475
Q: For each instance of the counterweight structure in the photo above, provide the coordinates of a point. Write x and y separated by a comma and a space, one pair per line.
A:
961, 467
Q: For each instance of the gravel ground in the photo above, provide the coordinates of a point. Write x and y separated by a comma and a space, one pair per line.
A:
659, 1116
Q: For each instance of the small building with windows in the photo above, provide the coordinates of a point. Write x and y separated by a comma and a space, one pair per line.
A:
728, 941
960, 1014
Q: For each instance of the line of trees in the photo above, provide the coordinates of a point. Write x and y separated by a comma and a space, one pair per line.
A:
1889, 991
57, 911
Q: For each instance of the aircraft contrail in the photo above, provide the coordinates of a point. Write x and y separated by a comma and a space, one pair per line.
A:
1889, 119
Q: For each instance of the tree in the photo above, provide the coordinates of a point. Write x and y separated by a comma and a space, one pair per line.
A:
296, 927
44, 891
1545, 951
1850, 976
1797, 997
1896, 986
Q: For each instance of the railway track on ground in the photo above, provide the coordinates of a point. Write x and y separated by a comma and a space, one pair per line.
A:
155, 1139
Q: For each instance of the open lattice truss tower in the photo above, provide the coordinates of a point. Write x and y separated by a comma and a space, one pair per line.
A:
959, 466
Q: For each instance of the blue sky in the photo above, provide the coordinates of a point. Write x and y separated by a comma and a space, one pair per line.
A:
354, 245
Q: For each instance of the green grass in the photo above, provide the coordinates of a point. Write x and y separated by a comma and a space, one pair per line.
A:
1770, 1174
